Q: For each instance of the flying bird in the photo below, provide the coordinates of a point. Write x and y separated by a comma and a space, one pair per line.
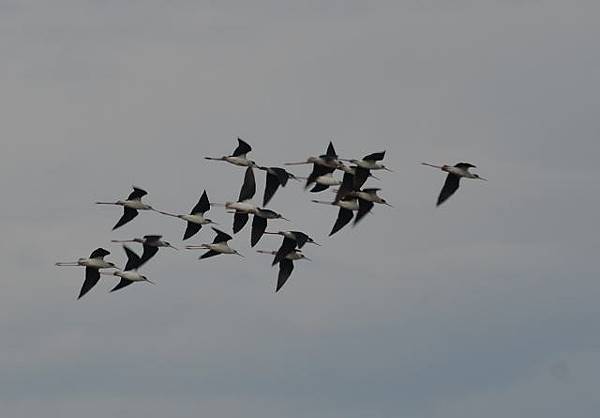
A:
291, 241
243, 208
131, 205
195, 219
218, 246
322, 165
348, 205
151, 244
129, 276
453, 179
276, 177
365, 165
92, 265
238, 157
286, 265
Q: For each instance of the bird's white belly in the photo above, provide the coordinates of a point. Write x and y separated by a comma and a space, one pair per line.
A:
195, 219
457, 171
96, 263
222, 248
350, 205
135, 204
238, 161
328, 181
241, 207
131, 275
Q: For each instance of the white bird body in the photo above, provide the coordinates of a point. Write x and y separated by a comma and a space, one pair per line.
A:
347, 204
133, 276
459, 171
328, 180
134, 204
219, 247
96, 263
369, 165
239, 160
244, 207
196, 219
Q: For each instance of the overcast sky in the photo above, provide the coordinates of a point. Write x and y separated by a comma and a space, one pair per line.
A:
485, 306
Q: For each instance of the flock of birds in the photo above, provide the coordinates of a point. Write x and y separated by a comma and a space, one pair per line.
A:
350, 197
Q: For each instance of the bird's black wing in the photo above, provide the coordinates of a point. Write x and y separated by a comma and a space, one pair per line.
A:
318, 170
331, 151
344, 216
282, 174
92, 276
271, 187
149, 252
133, 260
242, 148
450, 186
123, 283
319, 188
128, 215
464, 165
346, 187
364, 207
361, 176
287, 246
99, 253
202, 206
285, 270
191, 230
209, 253
239, 221
301, 238
221, 236
137, 194
249, 187
376, 156
259, 224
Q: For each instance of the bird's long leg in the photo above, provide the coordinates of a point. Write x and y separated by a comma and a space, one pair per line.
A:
125, 240
432, 165
105, 273
197, 247
107, 203
297, 163
322, 202
271, 233
167, 213
67, 263
266, 252
215, 158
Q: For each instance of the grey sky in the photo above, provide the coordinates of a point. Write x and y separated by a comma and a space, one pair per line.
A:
486, 306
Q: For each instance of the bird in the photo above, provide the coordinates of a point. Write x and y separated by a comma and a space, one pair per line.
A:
286, 265
92, 265
218, 246
347, 206
322, 165
243, 208
128, 276
365, 165
195, 219
276, 177
324, 181
455, 173
291, 240
151, 244
239, 155
131, 205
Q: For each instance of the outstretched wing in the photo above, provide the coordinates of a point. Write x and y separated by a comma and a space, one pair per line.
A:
191, 230
208, 254
202, 206
92, 276
271, 187
376, 156
318, 170
287, 246
128, 215
149, 252
301, 238
364, 207
133, 260
331, 151
221, 236
242, 149
361, 176
249, 187
99, 253
450, 186
259, 224
137, 194
344, 216
239, 221
123, 283
285, 270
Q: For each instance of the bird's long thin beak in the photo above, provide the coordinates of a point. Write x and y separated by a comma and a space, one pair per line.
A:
175, 248
481, 178
375, 177
149, 281
388, 169
240, 255
285, 219
432, 165
387, 204
307, 259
